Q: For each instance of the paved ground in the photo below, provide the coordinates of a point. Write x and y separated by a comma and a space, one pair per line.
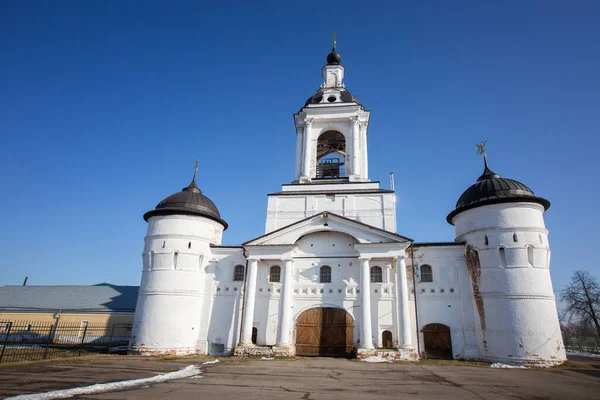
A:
308, 378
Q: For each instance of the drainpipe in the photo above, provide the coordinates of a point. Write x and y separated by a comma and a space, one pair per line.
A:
412, 257
243, 296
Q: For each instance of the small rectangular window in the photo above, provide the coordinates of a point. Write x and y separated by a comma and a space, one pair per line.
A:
325, 274
82, 327
426, 273
238, 273
275, 274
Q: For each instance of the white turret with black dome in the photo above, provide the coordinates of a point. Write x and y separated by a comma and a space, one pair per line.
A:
508, 259
168, 317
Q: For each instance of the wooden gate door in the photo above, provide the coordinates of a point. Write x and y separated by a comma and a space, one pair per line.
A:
325, 332
437, 341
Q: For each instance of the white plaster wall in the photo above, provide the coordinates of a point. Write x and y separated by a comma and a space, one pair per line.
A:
223, 321
448, 299
498, 216
519, 309
167, 318
376, 209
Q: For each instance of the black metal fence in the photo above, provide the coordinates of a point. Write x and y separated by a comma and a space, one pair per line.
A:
582, 344
580, 338
26, 341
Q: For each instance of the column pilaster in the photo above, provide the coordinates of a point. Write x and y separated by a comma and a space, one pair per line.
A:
307, 150
366, 334
299, 153
250, 299
286, 304
405, 329
355, 148
365, 154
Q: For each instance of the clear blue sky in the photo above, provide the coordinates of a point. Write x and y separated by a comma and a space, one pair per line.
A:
104, 107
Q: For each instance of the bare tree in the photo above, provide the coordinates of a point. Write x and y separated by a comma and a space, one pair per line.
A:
582, 299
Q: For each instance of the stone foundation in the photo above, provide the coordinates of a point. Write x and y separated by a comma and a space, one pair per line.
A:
284, 351
253, 351
144, 351
389, 354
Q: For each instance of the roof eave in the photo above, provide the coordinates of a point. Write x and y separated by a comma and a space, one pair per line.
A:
530, 199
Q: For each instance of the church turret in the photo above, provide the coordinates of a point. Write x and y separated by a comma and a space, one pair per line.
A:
508, 259
331, 131
177, 249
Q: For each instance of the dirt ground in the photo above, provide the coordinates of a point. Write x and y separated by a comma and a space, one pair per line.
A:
308, 378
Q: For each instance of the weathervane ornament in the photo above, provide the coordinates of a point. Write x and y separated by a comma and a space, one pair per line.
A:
195, 170
481, 148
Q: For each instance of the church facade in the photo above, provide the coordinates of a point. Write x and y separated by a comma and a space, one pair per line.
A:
331, 276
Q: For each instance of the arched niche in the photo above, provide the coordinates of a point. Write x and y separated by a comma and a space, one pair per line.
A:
326, 243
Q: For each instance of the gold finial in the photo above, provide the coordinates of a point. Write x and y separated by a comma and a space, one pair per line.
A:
334, 41
481, 148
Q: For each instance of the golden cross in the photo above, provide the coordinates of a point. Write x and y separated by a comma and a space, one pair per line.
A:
196, 166
334, 41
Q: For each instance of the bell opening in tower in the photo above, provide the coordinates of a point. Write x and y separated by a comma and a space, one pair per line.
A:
331, 155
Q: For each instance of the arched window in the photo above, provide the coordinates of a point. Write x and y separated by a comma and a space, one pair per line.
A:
502, 252
325, 274
386, 340
275, 273
331, 155
376, 275
238, 273
426, 273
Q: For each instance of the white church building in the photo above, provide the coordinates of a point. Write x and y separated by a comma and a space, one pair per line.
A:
332, 277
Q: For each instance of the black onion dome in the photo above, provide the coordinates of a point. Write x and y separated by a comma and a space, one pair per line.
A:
189, 201
491, 188
345, 96
334, 58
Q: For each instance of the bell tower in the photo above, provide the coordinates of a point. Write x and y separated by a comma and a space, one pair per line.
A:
331, 131
332, 169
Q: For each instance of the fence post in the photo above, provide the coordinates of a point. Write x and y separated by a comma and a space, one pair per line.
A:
5, 340
112, 331
83, 339
48, 341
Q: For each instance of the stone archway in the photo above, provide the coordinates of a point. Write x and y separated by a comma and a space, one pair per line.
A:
326, 332
438, 343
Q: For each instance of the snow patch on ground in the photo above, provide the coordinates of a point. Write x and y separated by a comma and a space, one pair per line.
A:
267, 358
500, 365
576, 353
189, 371
375, 359
210, 362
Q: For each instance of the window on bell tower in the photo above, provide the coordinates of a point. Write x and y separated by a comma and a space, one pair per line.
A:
331, 155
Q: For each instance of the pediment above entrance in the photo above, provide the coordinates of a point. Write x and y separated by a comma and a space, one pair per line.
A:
323, 222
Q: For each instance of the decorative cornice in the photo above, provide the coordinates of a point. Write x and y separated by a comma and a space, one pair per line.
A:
501, 295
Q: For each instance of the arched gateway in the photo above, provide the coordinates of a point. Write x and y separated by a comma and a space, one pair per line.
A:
325, 332
437, 340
